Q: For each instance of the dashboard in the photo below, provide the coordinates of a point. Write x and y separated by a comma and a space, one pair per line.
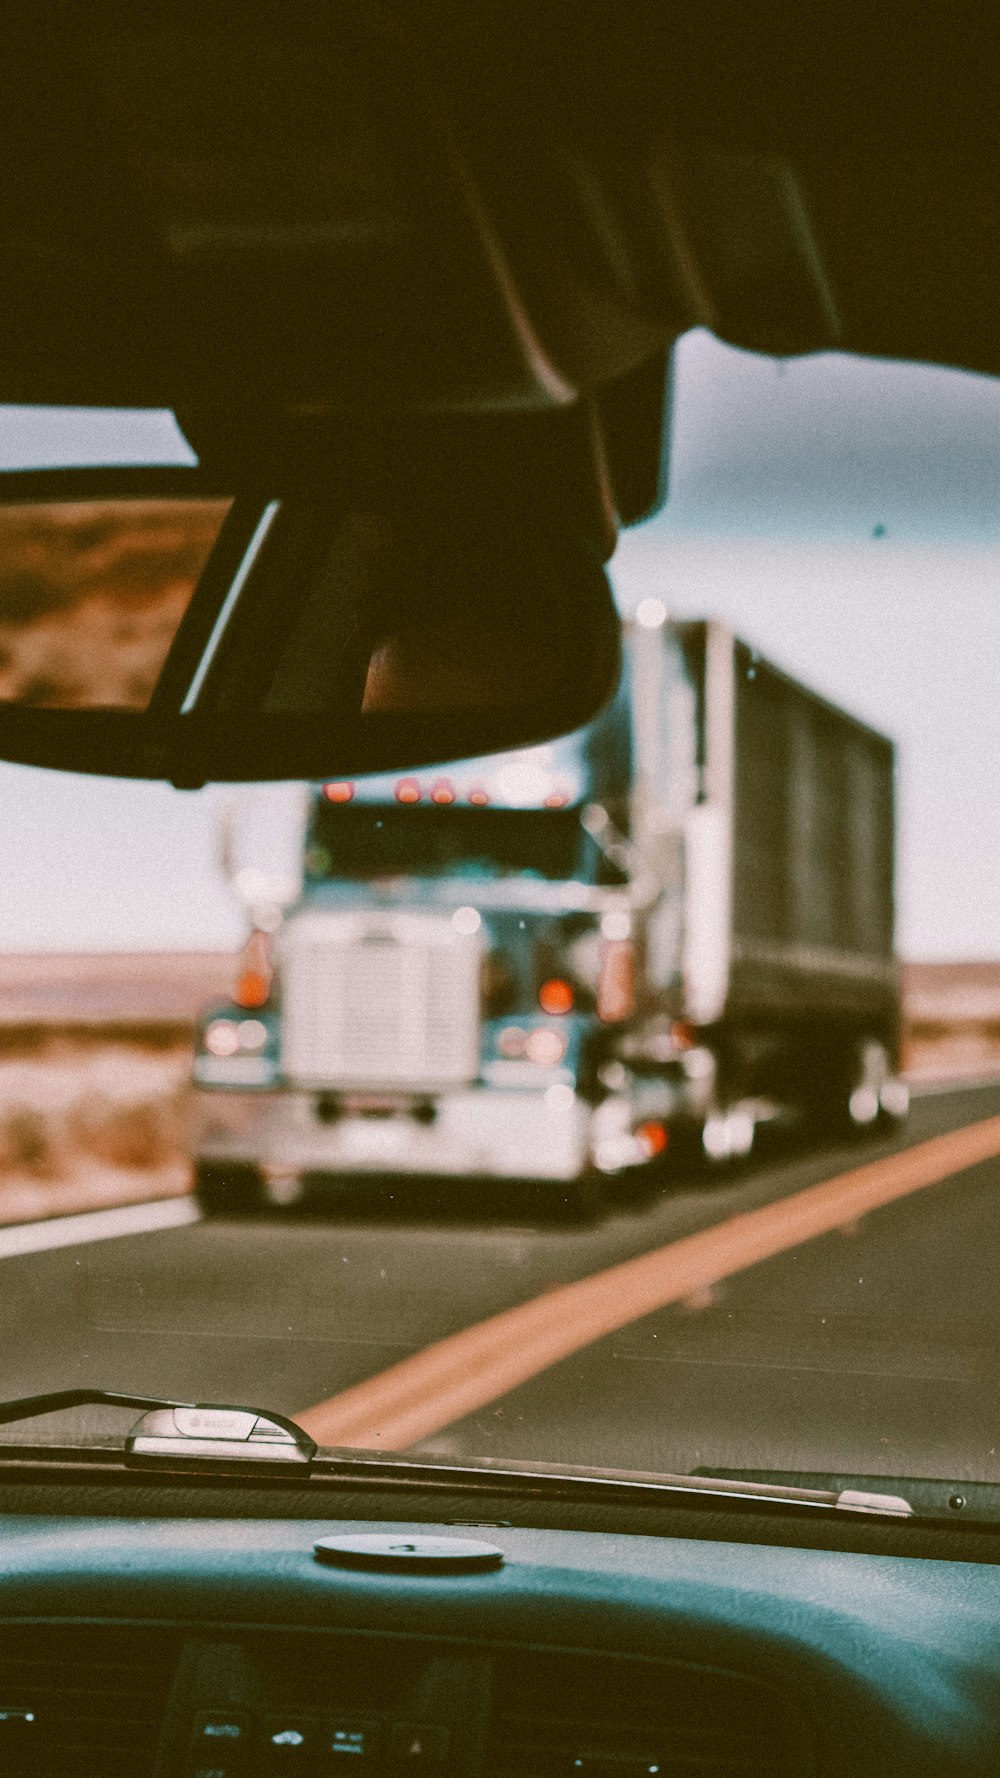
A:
215, 1647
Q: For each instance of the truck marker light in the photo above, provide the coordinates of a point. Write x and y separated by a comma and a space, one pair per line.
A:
545, 1047
479, 798
653, 1137
341, 792
557, 799
253, 989
256, 971
466, 921
556, 997
407, 791
443, 791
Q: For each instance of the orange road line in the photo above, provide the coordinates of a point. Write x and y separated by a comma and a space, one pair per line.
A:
466, 1371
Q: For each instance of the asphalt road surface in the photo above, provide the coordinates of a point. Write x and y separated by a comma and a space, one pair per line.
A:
835, 1311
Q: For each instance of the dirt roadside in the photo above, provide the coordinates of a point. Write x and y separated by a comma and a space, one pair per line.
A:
95, 1056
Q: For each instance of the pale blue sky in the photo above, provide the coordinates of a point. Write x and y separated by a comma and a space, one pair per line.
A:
843, 516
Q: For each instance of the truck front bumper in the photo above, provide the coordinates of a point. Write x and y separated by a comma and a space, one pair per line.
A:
503, 1134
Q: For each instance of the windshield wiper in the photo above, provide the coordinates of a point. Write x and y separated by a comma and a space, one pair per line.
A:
193, 1436
183, 1434
929, 1497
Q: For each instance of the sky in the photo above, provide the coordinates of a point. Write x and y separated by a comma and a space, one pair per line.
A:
843, 515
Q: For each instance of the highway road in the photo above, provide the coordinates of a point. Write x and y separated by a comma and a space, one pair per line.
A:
835, 1311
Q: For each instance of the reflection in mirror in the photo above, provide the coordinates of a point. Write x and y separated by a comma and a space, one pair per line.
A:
463, 666
437, 616
92, 593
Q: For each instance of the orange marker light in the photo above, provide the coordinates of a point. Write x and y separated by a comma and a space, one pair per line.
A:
443, 791
653, 1137
556, 996
252, 989
407, 791
479, 798
339, 793
256, 972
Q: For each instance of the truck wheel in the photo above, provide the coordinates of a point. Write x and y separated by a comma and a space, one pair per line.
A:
860, 1097
228, 1188
894, 1104
727, 1136
878, 1100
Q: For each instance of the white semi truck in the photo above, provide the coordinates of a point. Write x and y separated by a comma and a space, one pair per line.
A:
620, 951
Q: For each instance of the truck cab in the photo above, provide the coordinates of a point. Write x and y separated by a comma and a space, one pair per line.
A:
566, 964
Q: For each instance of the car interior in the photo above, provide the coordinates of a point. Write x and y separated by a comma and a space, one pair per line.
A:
410, 279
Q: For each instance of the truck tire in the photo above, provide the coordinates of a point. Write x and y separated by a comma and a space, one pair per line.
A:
863, 1097
727, 1137
228, 1188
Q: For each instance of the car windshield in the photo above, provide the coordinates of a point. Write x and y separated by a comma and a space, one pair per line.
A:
631, 1102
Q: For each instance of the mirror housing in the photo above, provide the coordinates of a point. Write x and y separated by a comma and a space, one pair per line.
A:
341, 627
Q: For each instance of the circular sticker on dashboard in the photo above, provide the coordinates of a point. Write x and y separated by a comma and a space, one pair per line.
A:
399, 1551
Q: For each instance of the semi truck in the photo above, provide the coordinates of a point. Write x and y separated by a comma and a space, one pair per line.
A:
615, 955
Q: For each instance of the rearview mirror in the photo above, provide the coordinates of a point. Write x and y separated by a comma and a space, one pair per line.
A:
157, 624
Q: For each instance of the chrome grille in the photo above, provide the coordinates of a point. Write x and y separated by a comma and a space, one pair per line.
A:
379, 1000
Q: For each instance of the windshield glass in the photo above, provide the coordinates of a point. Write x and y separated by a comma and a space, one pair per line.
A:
365, 841
630, 1102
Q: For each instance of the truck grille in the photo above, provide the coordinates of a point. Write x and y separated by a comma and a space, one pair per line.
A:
379, 1000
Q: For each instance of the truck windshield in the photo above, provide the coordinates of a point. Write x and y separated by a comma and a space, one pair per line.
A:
366, 840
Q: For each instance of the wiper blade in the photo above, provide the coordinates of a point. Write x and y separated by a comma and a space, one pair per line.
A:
183, 1434
930, 1497
576, 1481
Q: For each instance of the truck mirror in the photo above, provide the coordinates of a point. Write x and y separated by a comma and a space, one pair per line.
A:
157, 624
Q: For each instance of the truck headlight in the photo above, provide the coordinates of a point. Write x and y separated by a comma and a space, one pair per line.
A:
221, 1037
545, 1046
229, 1037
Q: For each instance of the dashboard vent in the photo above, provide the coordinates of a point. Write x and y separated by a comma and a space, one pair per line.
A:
82, 1702
586, 1716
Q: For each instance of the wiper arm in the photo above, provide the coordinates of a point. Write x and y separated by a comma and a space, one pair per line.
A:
28, 1407
183, 1434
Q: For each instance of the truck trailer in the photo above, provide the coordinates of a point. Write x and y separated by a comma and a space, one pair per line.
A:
623, 951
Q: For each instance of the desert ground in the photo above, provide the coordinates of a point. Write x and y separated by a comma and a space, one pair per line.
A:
95, 1056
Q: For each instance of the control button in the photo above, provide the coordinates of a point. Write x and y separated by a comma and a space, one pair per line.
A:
352, 1738
431, 1555
293, 1738
418, 1744
218, 1740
